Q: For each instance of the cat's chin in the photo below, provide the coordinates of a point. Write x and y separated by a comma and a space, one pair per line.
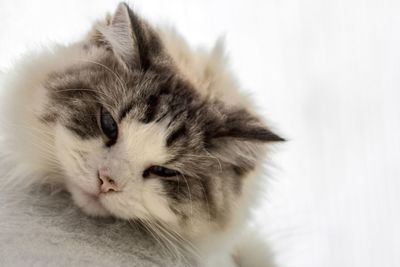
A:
88, 203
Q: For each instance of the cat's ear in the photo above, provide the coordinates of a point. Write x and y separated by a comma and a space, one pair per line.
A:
130, 38
238, 140
241, 125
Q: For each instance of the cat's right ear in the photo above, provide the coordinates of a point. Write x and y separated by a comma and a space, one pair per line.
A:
128, 36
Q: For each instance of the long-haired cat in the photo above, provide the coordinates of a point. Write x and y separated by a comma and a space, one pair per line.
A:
136, 125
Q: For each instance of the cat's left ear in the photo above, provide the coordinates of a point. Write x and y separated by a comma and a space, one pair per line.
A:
130, 38
237, 139
241, 125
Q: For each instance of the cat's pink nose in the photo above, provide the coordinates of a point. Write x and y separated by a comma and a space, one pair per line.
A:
107, 184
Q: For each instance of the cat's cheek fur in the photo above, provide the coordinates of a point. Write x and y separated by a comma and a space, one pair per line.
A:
157, 203
145, 202
79, 158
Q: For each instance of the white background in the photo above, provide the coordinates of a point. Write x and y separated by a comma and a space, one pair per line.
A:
326, 73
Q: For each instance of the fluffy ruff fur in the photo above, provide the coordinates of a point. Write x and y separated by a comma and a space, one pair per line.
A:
216, 141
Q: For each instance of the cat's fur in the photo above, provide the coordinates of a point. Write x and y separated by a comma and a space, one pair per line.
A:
174, 107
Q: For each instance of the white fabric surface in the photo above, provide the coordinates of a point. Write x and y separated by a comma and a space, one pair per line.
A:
326, 72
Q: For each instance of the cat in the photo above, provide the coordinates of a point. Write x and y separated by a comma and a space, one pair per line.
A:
135, 124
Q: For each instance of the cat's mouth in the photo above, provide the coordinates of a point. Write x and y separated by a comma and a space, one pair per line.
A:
93, 195
89, 202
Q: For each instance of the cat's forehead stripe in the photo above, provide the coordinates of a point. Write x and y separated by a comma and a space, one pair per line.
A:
176, 134
151, 109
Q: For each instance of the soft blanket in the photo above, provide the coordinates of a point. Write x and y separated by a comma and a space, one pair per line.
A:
40, 228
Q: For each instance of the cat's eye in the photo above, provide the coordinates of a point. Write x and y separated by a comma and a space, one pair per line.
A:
160, 171
108, 126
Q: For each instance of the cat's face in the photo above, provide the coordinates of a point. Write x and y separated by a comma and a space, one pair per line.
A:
136, 140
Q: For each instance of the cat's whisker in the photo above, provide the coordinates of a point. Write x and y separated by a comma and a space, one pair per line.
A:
82, 89
207, 203
44, 145
175, 244
155, 237
48, 151
77, 160
214, 157
160, 240
190, 198
47, 154
119, 79
168, 233
160, 226
88, 100
150, 231
38, 130
96, 92
183, 244
148, 223
174, 234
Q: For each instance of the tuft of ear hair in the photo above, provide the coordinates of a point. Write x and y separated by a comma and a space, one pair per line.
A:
239, 124
236, 137
130, 38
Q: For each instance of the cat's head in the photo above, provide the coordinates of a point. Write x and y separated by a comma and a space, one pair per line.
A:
137, 140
